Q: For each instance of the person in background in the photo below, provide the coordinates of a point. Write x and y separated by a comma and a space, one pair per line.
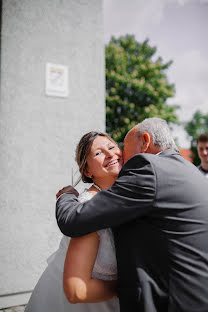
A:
89, 275
202, 149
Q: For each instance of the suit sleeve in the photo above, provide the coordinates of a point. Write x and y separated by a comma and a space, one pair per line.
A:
130, 197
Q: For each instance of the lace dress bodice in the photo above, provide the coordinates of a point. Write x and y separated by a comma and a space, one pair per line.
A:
105, 266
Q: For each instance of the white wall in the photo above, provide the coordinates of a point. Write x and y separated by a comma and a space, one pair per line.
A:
38, 133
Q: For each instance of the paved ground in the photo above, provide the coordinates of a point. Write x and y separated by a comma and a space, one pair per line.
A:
14, 309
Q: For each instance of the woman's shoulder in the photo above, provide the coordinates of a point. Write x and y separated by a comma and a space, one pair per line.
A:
85, 195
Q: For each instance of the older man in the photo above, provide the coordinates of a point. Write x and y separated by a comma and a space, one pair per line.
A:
158, 210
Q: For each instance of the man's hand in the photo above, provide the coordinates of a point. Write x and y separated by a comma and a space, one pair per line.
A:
67, 189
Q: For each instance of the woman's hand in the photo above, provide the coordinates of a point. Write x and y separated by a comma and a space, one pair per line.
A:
67, 189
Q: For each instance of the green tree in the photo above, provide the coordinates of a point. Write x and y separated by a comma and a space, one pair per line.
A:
196, 126
136, 86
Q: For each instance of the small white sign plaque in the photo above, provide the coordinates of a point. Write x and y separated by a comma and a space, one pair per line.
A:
57, 80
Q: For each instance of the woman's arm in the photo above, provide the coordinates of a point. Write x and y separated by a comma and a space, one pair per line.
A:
79, 286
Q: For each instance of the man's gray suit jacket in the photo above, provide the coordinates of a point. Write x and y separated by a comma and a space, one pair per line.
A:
158, 210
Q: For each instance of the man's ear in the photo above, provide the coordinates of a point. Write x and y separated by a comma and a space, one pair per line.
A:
146, 138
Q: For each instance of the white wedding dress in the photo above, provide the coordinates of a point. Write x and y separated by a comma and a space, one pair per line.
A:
48, 295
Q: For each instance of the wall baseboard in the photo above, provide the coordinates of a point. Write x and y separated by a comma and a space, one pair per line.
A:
8, 301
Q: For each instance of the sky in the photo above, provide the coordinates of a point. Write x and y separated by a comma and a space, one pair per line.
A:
179, 30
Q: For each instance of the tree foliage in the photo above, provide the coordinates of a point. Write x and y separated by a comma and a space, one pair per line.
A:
136, 86
196, 126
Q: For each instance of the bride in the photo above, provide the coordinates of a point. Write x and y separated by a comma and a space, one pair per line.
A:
88, 275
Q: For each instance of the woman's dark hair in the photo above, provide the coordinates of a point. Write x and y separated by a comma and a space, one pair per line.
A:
83, 150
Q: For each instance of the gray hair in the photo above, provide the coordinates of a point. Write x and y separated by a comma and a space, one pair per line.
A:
159, 131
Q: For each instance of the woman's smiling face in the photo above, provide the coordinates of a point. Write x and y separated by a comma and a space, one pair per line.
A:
105, 159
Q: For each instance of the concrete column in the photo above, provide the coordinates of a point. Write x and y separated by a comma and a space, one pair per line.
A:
38, 133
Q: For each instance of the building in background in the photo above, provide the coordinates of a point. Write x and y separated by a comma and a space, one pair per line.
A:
186, 153
52, 92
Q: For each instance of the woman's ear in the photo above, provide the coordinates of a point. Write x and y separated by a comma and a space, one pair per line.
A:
146, 138
87, 173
